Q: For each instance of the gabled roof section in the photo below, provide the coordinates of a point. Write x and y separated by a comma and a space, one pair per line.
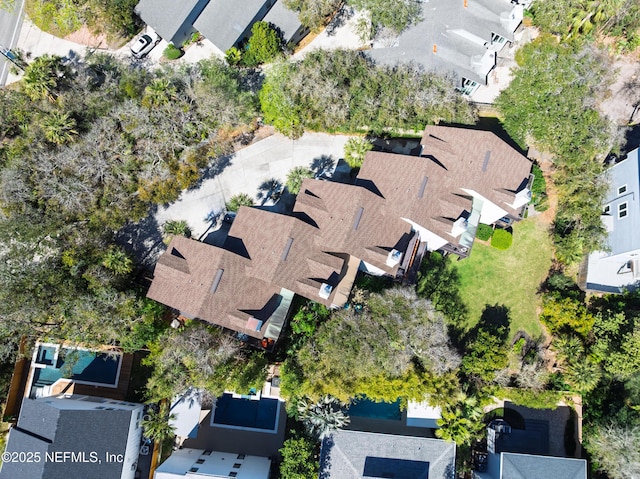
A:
172, 20
224, 22
212, 284
461, 32
284, 250
525, 466
355, 454
44, 428
351, 220
624, 188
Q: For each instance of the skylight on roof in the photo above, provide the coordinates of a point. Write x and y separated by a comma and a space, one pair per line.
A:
216, 280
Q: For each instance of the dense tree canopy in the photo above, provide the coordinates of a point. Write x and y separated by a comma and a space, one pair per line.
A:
343, 91
561, 81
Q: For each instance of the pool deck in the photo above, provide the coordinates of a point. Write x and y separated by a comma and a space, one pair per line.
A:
66, 386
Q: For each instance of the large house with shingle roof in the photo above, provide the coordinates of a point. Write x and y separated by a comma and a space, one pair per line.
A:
399, 207
459, 37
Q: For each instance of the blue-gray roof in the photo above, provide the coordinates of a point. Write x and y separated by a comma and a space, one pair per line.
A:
172, 20
283, 18
225, 22
44, 428
524, 466
355, 454
458, 32
624, 237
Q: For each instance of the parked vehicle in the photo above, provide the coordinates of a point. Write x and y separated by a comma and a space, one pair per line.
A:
144, 44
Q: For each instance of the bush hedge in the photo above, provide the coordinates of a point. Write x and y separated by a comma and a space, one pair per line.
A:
484, 232
172, 52
501, 239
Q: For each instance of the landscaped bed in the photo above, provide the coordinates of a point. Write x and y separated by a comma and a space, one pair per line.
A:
510, 277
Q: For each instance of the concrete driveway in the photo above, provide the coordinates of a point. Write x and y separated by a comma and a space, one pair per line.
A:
246, 170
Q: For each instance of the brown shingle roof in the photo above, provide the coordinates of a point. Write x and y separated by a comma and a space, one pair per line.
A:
351, 220
211, 284
429, 189
284, 251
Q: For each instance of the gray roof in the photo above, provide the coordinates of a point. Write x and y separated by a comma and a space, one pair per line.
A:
524, 466
443, 24
46, 429
172, 20
224, 22
283, 18
355, 454
624, 237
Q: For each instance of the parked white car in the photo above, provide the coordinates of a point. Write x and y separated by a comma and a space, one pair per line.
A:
144, 44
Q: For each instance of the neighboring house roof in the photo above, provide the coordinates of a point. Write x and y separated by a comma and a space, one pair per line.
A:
284, 19
355, 454
430, 189
185, 410
619, 266
224, 22
524, 466
461, 33
172, 20
351, 220
44, 428
206, 282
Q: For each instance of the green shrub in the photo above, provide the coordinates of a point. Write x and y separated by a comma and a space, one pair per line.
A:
501, 239
233, 56
264, 45
484, 232
172, 52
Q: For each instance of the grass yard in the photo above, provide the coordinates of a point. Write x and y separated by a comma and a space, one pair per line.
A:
511, 277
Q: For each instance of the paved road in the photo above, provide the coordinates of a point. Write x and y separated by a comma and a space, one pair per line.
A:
10, 23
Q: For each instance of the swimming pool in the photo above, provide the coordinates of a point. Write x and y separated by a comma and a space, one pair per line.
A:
78, 365
378, 410
243, 413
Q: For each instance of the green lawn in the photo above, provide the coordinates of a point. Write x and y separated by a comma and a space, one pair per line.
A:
511, 277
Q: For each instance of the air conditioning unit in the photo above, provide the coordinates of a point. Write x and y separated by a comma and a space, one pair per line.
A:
325, 291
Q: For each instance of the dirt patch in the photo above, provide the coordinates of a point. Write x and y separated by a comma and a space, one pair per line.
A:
84, 36
622, 100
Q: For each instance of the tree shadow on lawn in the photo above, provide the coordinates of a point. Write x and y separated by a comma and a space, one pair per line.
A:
495, 319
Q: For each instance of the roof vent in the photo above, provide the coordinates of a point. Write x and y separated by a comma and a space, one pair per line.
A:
325, 291
487, 155
356, 222
216, 280
423, 186
287, 248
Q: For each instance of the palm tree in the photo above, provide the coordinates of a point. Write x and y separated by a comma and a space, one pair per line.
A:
176, 227
236, 201
591, 13
117, 261
156, 424
59, 128
583, 374
159, 92
323, 417
355, 150
568, 347
460, 421
296, 177
41, 77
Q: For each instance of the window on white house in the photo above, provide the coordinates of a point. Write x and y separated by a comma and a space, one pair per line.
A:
622, 189
622, 210
606, 210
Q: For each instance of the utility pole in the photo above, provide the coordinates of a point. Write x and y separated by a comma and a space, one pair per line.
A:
9, 55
